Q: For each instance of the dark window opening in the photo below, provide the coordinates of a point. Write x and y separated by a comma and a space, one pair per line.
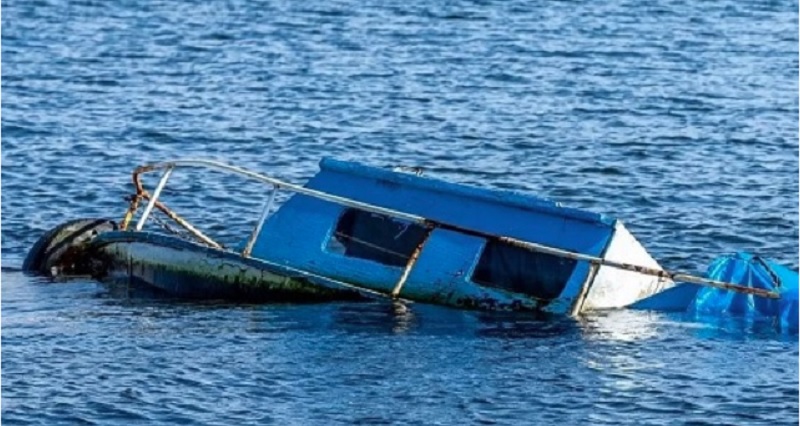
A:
515, 269
376, 237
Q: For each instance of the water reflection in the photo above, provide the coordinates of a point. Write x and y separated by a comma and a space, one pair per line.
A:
622, 325
403, 317
519, 325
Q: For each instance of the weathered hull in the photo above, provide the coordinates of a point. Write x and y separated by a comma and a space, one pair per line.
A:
355, 230
187, 270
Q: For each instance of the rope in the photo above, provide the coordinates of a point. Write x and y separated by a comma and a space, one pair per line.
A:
180, 233
167, 227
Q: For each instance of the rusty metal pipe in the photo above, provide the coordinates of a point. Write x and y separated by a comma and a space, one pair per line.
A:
410, 264
182, 222
281, 184
134, 205
675, 276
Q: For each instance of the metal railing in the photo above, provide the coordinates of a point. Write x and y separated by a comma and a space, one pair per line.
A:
277, 184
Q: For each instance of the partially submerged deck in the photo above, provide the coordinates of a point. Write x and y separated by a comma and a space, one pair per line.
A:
411, 237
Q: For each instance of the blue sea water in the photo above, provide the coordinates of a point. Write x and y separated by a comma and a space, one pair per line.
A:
679, 117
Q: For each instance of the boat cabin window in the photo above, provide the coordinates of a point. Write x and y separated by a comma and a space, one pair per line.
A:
515, 269
375, 237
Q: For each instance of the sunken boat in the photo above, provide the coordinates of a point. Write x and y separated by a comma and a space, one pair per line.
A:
355, 231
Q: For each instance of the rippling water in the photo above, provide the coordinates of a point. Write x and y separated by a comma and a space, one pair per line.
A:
678, 117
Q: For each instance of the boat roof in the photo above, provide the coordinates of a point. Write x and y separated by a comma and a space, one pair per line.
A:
381, 176
492, 212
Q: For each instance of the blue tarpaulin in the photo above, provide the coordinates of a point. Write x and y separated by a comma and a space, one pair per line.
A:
756, 272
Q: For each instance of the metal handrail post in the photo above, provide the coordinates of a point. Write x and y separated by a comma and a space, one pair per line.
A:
257, 230
154, 198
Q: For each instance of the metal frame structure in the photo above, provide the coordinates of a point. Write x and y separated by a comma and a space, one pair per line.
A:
429, 224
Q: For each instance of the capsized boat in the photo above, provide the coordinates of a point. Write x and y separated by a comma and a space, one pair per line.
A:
355, 231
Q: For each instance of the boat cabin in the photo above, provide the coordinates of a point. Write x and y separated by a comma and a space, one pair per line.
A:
458, 256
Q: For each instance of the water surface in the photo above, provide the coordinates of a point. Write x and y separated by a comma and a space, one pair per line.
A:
678, 117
